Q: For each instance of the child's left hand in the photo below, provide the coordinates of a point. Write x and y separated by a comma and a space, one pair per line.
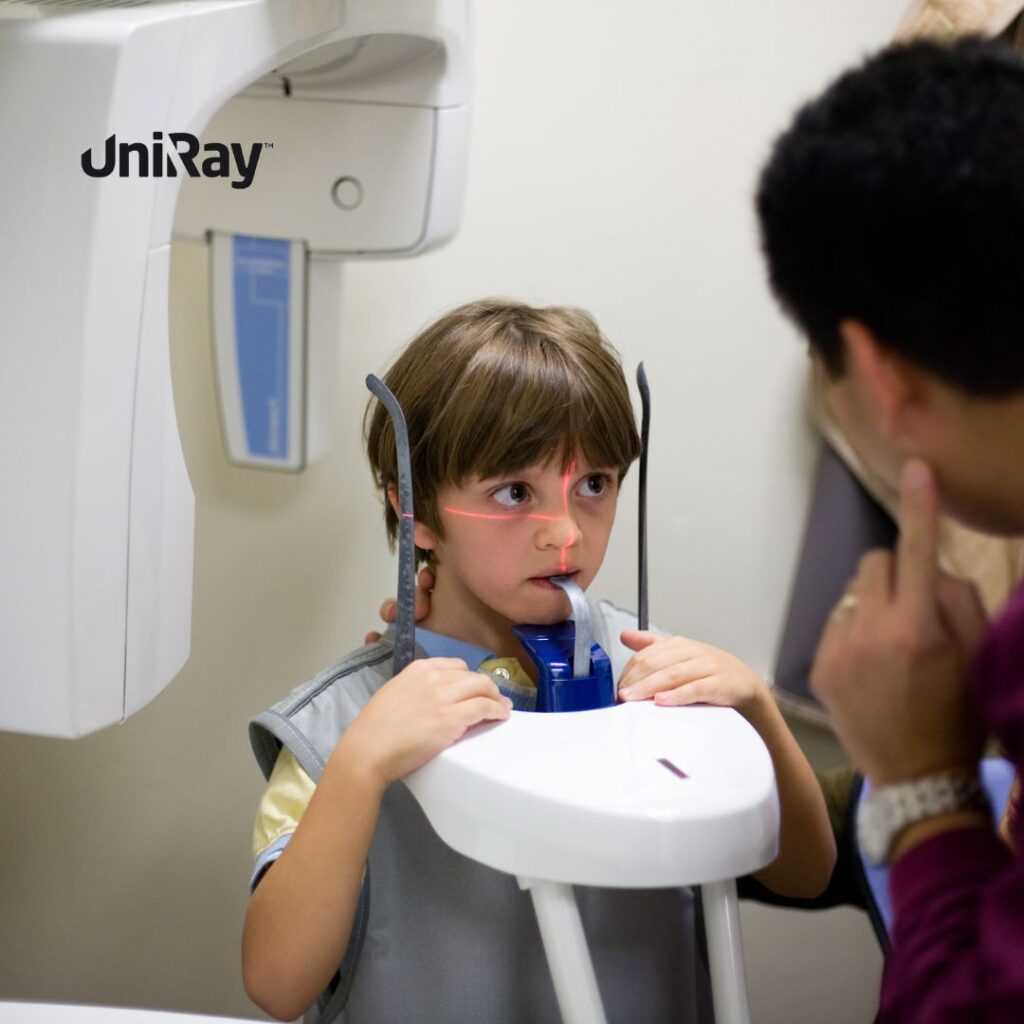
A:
676, 670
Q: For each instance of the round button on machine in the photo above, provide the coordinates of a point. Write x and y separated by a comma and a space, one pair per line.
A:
347, 193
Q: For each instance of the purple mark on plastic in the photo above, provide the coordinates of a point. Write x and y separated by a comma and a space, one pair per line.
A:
677, 772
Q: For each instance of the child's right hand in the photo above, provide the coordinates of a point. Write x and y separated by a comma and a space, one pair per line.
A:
418, 713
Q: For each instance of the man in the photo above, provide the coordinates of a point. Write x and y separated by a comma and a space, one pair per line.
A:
892, 215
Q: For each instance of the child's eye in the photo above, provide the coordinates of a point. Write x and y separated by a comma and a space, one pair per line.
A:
512, 494
593, 485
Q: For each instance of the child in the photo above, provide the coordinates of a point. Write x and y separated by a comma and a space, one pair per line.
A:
521, 431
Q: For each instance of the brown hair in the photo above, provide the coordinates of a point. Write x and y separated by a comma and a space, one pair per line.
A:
493, 387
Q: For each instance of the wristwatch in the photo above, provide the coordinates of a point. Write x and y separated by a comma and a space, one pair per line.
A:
888, 810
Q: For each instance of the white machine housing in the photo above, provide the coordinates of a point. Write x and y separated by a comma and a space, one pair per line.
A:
96, 529
633, 796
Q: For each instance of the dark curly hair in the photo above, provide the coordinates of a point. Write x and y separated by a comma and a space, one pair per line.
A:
897, 199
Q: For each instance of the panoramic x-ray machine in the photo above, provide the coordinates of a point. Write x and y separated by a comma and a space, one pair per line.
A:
347, 140
351, 126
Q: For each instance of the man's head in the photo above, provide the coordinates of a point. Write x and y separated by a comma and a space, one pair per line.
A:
513, 413
892, 217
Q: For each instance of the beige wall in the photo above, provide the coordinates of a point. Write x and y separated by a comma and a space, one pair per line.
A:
613, 156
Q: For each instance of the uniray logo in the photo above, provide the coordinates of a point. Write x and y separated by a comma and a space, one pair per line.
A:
219, 159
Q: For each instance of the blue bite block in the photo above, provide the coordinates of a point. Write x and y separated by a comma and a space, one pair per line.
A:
551, 648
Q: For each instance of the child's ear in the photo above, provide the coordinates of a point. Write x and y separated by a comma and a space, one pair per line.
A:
423, 536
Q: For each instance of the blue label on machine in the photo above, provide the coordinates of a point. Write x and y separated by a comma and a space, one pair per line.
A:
262, 320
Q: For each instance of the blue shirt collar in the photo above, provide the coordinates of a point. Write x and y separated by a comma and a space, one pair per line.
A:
436, 645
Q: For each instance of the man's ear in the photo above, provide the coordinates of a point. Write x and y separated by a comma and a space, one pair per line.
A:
423, 536
895, 388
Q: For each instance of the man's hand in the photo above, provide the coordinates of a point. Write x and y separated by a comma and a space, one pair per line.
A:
389, 608
418, 713
894, 661
674, 670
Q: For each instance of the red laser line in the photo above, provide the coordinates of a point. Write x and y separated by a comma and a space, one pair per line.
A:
563, 562
500, 515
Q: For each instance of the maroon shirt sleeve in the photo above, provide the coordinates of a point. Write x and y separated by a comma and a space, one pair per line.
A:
958, 897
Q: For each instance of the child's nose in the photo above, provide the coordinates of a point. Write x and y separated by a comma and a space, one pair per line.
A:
559, 531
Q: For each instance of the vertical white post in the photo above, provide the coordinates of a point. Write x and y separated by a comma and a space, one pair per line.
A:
725, 952
572, 970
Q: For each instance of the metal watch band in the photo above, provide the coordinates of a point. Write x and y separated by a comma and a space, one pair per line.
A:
890, 809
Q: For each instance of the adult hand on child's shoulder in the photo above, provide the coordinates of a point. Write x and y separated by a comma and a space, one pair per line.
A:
418, 713
676, 670
389, 607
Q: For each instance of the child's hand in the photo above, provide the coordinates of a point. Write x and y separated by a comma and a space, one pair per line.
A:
418, 713
675, 670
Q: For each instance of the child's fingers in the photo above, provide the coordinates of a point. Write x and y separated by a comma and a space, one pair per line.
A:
444, 665
371, 638
467, 713
482, 709
667, 651
638, 682
389, 610
638, 639
463, 686
702, 691
434, 671
675, 674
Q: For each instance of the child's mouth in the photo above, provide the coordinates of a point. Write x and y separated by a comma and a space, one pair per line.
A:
544, 582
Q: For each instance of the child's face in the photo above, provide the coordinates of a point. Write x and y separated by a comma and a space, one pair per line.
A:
506, 536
